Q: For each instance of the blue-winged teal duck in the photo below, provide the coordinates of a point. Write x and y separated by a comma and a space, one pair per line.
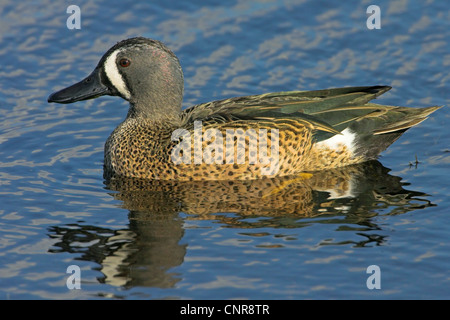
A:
302, 130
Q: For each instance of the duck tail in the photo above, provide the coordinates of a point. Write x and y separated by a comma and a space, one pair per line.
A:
377, 131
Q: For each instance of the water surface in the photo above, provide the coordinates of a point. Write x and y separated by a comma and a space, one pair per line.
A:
278, 239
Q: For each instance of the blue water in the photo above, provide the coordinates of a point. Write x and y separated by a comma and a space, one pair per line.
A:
304, 241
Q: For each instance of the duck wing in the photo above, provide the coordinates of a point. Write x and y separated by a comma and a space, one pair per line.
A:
328, 110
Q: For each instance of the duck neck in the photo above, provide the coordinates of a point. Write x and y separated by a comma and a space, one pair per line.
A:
155, 112
159, 103
157, 95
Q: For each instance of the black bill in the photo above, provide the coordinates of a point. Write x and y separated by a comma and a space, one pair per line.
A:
91, 87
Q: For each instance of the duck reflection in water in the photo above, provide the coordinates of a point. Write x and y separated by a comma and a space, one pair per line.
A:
145, 253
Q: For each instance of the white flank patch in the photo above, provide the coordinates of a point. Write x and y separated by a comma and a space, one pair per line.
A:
114, 75
346, 138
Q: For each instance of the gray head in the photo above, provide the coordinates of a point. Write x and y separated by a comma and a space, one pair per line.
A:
140, 70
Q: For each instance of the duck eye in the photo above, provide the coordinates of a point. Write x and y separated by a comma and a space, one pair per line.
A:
124, 62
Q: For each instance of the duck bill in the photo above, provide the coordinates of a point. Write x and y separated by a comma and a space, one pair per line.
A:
91, 87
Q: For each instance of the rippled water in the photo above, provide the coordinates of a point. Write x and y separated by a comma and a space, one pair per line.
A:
311, 238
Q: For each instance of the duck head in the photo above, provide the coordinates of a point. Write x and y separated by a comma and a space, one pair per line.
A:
140, 70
